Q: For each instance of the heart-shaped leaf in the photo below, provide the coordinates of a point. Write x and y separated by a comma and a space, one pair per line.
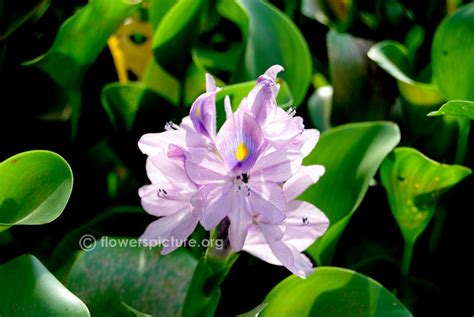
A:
34, 188
351, 154
332, 291
451, 54
414, 184
458, 108
270, 37
29, 289
119, 270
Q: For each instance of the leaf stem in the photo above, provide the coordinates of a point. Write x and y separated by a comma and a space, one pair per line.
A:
440, 217
407, 255
463, 138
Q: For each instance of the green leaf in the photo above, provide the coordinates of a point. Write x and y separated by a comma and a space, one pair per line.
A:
270, 37
127, 104
76, 46
175, 35
320, 107
332, 291
351, 154
136, 312
394, 58
29, 289
451, 54
35, 187
157, 10
254, 312
414, 184
458, 108
118, 270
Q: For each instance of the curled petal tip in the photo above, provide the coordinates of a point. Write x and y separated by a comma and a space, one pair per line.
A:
210, 83
273, 71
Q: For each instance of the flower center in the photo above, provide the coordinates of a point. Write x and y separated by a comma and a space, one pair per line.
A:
241, 181
241, 152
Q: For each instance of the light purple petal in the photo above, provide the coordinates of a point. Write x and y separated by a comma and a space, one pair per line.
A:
261, 101
216, 204
306, 141
305, 177
240, 141
257, 245
293, 260
158, 143
283, 127
163, 199
277, 166
205, 167
240, 219
273, 71
228, 107
170, 231
304, 224
163, 168
210, 83
267, 199
203, 114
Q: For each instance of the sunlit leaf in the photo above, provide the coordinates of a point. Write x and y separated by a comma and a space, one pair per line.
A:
35, 187
29, 289
414, 184
332, 291
458, 108
270, 37
451, 54
351, 154
120, 271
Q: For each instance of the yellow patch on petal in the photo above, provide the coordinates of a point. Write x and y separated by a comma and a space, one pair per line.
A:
198, 112
242, 152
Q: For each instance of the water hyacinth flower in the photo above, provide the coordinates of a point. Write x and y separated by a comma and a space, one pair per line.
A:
247, 175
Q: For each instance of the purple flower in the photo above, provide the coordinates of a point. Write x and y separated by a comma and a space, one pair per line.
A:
248, 173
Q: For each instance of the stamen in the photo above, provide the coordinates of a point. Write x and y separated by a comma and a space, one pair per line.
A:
162, 193
291, 111
170, 125
305, 220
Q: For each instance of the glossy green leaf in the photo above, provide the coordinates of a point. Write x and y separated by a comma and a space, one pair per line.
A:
457, 108
76, 47
270, 37
394, 58
174, 36
157, 11
414, 184
351, 154
332, 291
254, 312
127, 104
29, 289
120, 271
451, 54
35, 187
